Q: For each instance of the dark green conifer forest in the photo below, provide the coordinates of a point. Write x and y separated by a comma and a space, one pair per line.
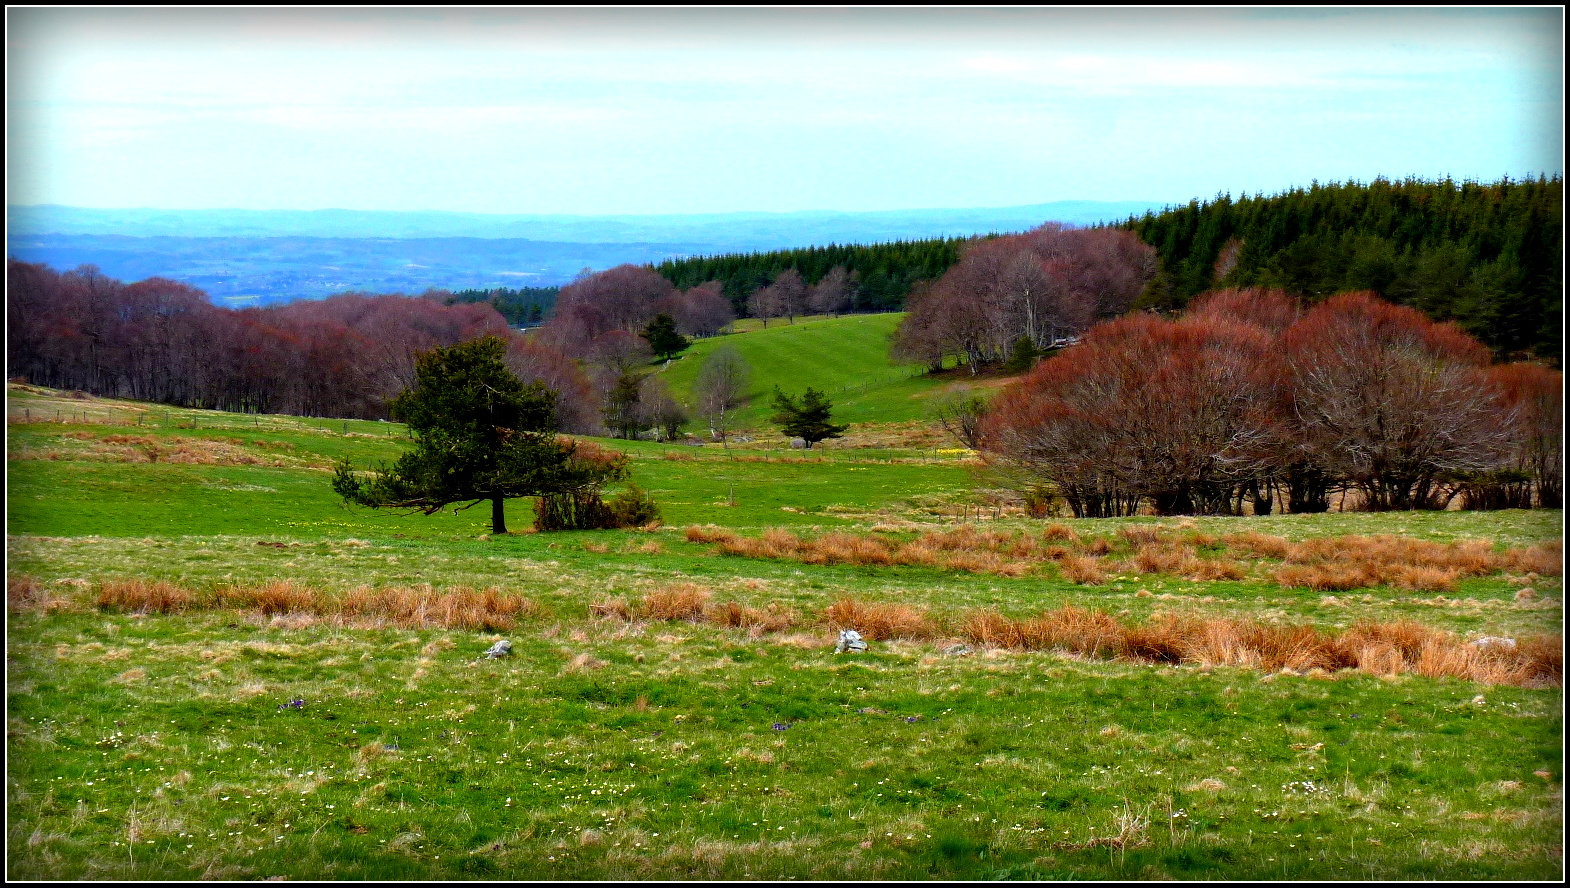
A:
1487, 256
886, 271
522, 307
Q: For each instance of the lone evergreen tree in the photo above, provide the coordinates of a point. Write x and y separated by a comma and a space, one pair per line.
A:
480, 434
808, 418
663, 338
1023, 357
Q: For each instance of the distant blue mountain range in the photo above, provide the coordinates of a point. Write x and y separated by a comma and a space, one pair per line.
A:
261, 256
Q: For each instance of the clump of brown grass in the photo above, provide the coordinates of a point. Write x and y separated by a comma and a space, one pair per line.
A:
283, 597
1087, 632
1098, 546
1059, 533
709, 533
734, 615
616, 608
991, 628
1259, 545
1142, 535
26, 593
1083, 570
1421, 579
1377, 648
1325, 577
682, 601
1164, 558
1299, 648
144, 597
488, 610
881, 622
847, 548
1164, 641
1546, 559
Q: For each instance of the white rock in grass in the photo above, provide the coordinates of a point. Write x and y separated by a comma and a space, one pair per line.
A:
501, 648
850, 640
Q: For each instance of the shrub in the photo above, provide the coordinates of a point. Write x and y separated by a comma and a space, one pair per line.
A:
633, 507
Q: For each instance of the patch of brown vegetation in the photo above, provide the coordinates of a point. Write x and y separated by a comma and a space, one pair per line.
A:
683, 601
144, 597
417, 607
179, 449
1333, 564
881, 622
1378, 648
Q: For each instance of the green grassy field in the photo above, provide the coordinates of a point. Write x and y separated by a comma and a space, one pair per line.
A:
149, 745
847, 358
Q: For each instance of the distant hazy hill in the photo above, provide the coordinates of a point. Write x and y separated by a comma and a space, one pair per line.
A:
239, 271
268, 255
725, 231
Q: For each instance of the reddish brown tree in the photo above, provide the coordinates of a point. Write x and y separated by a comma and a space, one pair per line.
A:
1533, 397
834, 292
577, 404
764, 303
1044, 285
1390, 401
1173, 413
622, 298
790, 293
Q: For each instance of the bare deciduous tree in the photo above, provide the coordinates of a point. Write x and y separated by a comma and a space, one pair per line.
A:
721, 389
834, 293
1391, 401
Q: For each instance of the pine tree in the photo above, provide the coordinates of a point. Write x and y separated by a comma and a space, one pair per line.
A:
807, 419
479, 434
663, 338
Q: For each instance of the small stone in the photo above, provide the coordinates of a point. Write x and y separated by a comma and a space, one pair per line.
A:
501, 648
850, 640
958, 650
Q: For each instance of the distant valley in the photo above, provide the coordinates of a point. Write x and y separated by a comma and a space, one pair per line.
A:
242, 257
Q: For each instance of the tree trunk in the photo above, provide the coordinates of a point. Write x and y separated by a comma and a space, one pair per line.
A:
498, 516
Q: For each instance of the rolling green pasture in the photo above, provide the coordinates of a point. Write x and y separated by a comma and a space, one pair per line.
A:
847, 358
149, 746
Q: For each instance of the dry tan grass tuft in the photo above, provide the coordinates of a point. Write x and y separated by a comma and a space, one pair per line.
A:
733, 615
26, 593
461, 607
682, 601
1142, 535
1325, 577
1545, 559
709, 533
616, 608
284, 597
1259, 545
881, 622
144, 597
1059, 533
1081, 569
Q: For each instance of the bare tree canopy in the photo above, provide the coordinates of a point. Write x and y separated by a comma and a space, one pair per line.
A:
1044, 285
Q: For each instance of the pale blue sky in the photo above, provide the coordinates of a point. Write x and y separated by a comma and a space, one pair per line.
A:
694, 110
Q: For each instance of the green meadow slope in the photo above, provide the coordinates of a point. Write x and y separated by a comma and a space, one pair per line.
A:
847, 358
215, 670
